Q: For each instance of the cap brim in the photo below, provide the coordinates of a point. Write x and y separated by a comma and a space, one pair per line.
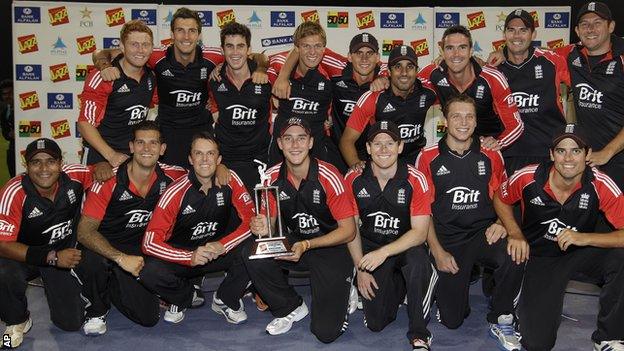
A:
358, 46
401, 58
579, 141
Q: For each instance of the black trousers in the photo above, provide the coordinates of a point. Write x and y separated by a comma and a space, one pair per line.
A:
331, 277
61, 290
543, 290
174, 282
408, 273
103, 282
453, 289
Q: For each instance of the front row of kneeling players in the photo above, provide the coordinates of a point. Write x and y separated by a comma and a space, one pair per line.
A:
198, 226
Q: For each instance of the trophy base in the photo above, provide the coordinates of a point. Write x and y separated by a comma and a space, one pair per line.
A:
270, 247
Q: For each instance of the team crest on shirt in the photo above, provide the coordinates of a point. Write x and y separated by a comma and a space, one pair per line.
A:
163, 187
584, 201
257, 89
611, 68
480, 92
203, 73
423, 100
401, 196
316, 196
321, 86
150, 85
481, 168
220, 200
71, 195
539, 73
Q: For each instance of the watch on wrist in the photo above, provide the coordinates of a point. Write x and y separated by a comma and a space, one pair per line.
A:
52, 258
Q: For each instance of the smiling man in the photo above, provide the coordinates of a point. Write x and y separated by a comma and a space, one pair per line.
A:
317, 212
561, 200
109, 109
405, 103
114, 217
498, 121
38, 219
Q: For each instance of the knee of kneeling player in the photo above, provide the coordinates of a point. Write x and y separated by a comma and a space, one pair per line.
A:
326, 335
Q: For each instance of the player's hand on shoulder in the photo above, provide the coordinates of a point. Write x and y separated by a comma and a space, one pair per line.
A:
110, 73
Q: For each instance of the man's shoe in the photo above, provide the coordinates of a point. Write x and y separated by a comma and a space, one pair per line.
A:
198, 297
94, 326
504, 333
610, 345
16, 332
282, 325
420, 344
232, 316
174, 314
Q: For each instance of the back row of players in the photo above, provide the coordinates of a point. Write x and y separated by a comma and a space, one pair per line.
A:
197, 227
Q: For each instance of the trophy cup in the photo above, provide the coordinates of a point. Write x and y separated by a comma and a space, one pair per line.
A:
274, 244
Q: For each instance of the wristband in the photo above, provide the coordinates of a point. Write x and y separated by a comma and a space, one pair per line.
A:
51, 258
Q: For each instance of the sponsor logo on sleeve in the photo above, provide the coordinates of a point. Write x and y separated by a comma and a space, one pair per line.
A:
337, 19
146, 15
58, 15
29, 100
59, 73
365, 20
282, 18
27, 72
310, 16
225, 17
115, 17
60, 101
60, 129
392, 20
85, 45
476, 20
421, 47
27, 43
388, 45
27, 14
557, 20
29, 129
447, 19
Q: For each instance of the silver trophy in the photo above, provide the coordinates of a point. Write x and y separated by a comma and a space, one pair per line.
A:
274, 244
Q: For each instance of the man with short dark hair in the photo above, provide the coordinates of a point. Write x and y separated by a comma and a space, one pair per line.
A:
561, 201
38, 216
114, 217
463, 176
392, 200
405, 103
317, 213
189, 236
499, 123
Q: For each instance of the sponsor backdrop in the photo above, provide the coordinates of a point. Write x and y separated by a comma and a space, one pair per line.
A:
54, 42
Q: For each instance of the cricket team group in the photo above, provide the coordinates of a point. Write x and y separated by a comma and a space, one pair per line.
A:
372, 214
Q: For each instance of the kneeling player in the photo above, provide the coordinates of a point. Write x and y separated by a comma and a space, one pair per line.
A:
463, 176
187, 237
393, 204
317, 211
38, 216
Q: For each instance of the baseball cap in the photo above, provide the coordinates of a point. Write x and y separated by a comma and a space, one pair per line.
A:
526, 18
295, 121
597, 7
363, 39
402, 52
46, 145
572, 131
387, 127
